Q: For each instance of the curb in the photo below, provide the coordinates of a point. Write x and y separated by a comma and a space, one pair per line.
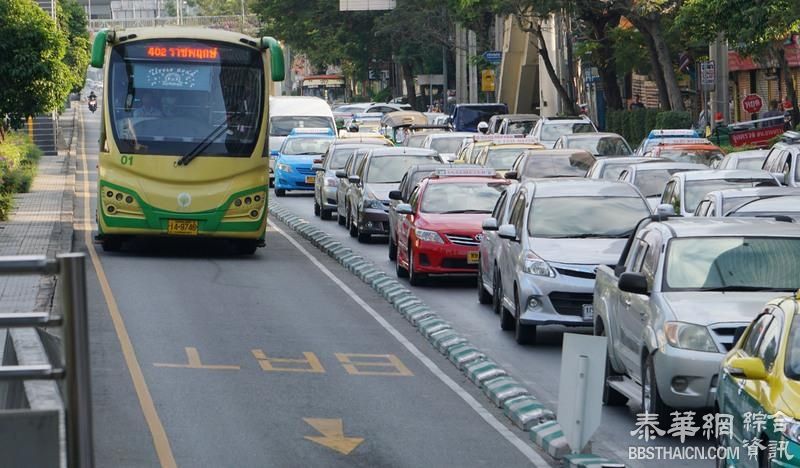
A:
519, 406
580, 460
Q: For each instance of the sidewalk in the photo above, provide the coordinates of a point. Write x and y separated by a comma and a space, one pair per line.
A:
40, 224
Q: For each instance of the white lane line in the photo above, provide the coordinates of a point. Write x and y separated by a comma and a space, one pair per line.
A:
512, 438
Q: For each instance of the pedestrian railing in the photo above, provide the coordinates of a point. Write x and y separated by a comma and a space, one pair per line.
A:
71, 271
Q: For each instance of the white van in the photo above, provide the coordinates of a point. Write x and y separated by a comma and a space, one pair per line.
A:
289, 112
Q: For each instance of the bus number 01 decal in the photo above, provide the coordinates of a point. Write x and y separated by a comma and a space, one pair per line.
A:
126, 160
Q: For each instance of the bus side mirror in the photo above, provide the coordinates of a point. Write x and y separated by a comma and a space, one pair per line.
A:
275, 58
99, 48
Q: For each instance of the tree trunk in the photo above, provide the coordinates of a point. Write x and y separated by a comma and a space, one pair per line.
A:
606, 64
791, 92
569, 104
408, 76
665, 59
658, 73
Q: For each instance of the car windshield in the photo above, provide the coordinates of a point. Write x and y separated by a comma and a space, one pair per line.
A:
446, 145
502, 158
692, 156
284, 124
696, 190
522, 127
785, 205
651, 182
612, 171
339, 158
753, 164
467, 197
390, 169
556, 166
745, 263
792, 368
173, 97
468, 117
605, 146
415, 141
565, 217
299, 146
554, 131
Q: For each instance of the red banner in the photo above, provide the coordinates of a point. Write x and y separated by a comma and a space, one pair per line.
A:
755, 137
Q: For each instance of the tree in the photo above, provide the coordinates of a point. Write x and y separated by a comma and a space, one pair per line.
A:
72, 22
757, 29
33, 76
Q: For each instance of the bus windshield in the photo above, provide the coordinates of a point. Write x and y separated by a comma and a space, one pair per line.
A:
173, 97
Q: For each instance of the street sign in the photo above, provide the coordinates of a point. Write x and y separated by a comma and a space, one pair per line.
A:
580, 390
752, 103
487, 81
495, 57
708, 74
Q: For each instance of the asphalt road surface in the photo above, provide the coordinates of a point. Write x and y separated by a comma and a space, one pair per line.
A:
204, 358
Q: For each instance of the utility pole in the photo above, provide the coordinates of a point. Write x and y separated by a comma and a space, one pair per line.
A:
461, 88
718, 51
472, 41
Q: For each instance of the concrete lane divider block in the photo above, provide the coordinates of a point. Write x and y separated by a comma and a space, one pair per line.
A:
463, 354
482, 370
550, 438
446, 340
587, 460
501, 389
418, 313
432, 325
525, 412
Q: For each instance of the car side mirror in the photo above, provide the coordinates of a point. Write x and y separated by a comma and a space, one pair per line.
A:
507, 231
665, 209
341, 174
396, 195
317, 167
354, 179
634, 283
489, 224
404, 209
750, 368
511, 175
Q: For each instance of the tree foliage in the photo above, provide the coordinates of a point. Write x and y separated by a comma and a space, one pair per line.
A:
33, 76
73, 22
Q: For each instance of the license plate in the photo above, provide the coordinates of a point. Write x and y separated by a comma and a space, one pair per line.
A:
310, 179
182, 227
588, 311
473, 257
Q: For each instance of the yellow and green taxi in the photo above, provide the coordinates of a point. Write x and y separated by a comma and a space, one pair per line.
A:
501, 154
759, 388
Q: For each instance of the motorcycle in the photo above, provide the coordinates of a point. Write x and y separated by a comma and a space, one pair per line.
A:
92, 105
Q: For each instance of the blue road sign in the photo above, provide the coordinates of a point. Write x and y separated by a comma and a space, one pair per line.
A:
493, 56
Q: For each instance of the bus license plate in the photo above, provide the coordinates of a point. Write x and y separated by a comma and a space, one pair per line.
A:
310, 179
473, 257
182, 227
588, 311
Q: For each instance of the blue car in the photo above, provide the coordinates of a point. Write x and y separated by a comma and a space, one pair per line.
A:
298, 152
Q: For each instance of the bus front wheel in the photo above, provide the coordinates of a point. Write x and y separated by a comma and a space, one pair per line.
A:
246, 246
111, 243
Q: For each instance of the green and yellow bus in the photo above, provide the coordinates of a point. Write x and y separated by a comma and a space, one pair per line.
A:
183, 142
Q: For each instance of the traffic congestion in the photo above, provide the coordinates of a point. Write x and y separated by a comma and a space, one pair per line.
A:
681, 256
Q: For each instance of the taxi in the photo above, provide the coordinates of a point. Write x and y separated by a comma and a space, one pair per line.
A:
759, 386
439, 230
685, 151
293, 164
501, 153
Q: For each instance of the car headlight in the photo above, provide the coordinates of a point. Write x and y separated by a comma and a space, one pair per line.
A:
689, 336
370, 202
791, 428
331, 182
534, 265
284, 167
428, 236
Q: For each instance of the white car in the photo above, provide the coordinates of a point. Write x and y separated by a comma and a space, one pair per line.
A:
549, 129
446, 143
685, 190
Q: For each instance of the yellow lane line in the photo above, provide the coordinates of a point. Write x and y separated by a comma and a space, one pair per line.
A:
159, 435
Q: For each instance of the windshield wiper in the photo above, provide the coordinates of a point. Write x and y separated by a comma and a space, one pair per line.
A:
203, 145
741, 287
464, 211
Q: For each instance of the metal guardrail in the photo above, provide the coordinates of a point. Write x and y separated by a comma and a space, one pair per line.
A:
246, 23
71, 269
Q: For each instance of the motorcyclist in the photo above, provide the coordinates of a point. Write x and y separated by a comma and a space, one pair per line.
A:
92, 101
483, 127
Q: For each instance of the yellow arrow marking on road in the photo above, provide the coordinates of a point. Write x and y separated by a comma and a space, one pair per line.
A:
333, 434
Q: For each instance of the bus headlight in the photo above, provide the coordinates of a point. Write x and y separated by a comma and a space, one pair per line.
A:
246, 207
120, 204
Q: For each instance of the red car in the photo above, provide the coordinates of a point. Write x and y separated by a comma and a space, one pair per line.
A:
440, 228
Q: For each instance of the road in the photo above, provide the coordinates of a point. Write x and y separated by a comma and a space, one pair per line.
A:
537, 366
202, 358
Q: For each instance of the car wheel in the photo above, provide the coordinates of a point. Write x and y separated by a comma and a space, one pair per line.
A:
507, 321
416, 279
401, 272
651, 400
392, 249
497, 293
611, 397
316, 208
326, 215
111, 243
483, 296
279, 192
352, 226
340, 219
523, 334
364, 237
